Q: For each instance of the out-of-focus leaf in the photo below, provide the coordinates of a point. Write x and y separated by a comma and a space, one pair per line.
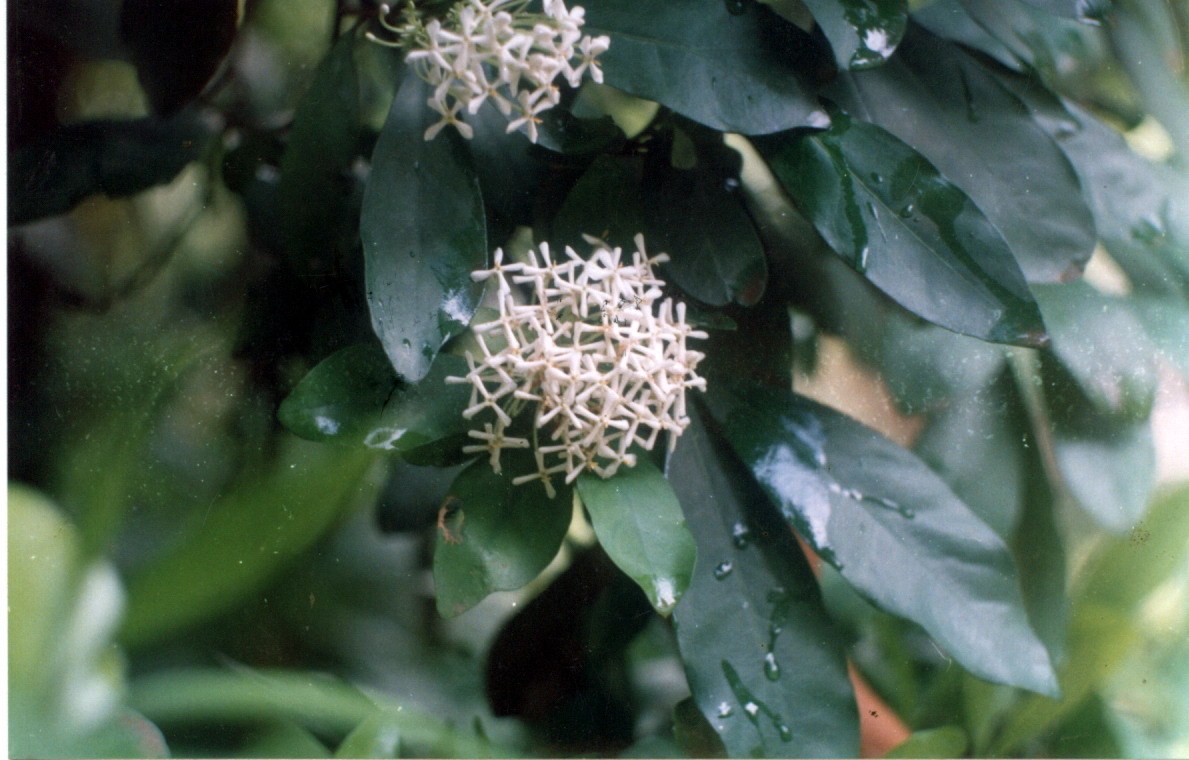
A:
1054, 47
1166, 321
177, 45
377, 736
284, 739
925, 367
1089, 11
1103, 630
888, 212
605, 203
1144, 34
863, 33
1137, 204
316, 188
1102, 344
423, 234
728, 70
974, 434
950, 20
893, 529
1039, 550
947, 741
116, 158
639, 523
501, 536
694, 734
1107, 462
312, 700
354, 397
695, 216
764, 664
938, 100
243, 540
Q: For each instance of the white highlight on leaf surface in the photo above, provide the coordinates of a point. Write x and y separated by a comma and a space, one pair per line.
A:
877, 41
326, 426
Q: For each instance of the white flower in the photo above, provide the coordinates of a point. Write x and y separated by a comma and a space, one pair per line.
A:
596, 349
473, 54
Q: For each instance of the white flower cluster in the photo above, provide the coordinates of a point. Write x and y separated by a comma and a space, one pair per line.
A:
509, 55
605, 363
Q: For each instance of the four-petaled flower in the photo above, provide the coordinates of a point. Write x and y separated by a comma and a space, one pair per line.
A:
595, 347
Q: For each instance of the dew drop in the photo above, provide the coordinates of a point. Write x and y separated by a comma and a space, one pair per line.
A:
723, 570
908, 211
786, 733
771, 667
752, 709
725, 710
740, 535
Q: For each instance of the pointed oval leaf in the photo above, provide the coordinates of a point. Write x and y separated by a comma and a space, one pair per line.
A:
354, 397
501, 536
639, 524
915, 235
764, 663
423, 234
728, 71
893, 529
715, 253
316, 187
862, 33
938, 100
604, 202
1102, 344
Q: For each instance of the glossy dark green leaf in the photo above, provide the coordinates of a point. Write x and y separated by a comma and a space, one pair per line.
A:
938, 100
893, 529
353, 397
116, 158
695, 216
1102, 344
423, 234
377, 736
501, 535
638, 521
863, 33
947, 741
563, 132
888, 212
605, 202
974, 434
950, 20
764, 662
316, 187
730, 71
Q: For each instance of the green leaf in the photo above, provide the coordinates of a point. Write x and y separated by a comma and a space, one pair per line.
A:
1108, 464
862, 33
501, 535
695, 216
116, 158
1089, 11
728, 70
951, 20
283, 739
639, 524
605, 202
893, 529
377, 736
1166, 321
316, 187
975, 434
1056, 48
354, 397
1039, 550
423, 233
312, 700
1136, 203
563, 132
947, 741
764, 662
938, 100
1104, 347
889, 213
244, 539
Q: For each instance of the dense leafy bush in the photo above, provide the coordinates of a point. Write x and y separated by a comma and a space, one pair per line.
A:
289, 479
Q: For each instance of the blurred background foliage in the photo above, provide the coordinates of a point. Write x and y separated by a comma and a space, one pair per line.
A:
187, 577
